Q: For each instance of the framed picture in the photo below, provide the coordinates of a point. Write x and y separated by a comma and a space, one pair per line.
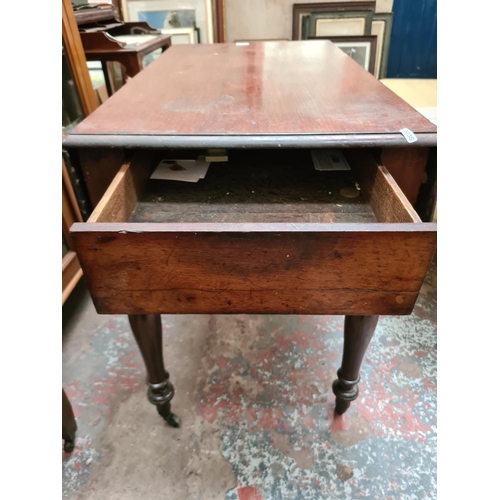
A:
303, 11
361, 49
382, 26
346, 23
167, 15
181, 35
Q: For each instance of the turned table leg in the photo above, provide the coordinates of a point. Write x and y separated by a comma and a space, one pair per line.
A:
358, 331
147, 332
68, 424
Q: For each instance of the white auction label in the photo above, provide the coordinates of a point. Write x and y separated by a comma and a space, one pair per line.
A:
409, 135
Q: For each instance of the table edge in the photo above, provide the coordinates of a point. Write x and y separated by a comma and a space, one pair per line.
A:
424, 139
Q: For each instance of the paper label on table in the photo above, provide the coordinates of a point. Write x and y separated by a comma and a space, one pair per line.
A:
241, 44
409, 135
329, 159
181, 170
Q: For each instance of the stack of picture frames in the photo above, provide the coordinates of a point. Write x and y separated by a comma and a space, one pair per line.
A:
353, 26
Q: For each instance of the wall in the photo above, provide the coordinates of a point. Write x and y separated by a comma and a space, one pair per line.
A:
268, 19
413, 49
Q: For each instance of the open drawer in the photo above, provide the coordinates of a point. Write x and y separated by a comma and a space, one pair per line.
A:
262, 233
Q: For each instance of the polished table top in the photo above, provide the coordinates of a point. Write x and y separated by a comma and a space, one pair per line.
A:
287, 94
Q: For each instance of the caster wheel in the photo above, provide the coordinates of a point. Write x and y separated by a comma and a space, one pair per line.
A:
69, 445
171, 418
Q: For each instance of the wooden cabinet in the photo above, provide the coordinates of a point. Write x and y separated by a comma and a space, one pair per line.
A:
78, 101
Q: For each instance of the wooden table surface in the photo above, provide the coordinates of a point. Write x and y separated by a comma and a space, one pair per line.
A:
288, 94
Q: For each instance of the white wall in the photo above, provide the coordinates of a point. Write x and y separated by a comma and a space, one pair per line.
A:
268, 19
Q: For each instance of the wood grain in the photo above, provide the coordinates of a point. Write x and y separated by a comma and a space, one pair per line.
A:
120, 199
219, 20
254, 268
284, 88
71, 273
386, 198
407, 166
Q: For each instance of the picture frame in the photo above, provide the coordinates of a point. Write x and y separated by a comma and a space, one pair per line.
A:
365, 58
202, 20
301, 10
382, 28
343, 23
181, 35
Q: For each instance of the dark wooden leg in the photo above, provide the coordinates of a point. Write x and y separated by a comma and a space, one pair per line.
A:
133, 65
107, 77
358, 331
68, 424
147, 332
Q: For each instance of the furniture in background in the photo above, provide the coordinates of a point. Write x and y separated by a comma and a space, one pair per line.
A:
126, 43
351, 18
96, 14
78, 101
108, 40
280, 237
69, 426
360, 48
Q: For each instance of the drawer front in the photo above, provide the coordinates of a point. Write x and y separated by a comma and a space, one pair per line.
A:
291, 269
238, 266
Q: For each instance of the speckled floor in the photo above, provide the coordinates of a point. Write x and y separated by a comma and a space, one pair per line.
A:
254, 395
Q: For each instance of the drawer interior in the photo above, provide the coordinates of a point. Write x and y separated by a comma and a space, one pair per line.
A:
256, 186
263, 233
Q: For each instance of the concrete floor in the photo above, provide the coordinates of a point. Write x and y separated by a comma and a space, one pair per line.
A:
254, 395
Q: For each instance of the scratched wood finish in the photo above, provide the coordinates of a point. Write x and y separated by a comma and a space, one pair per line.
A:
255, 186
284, 88
149, 268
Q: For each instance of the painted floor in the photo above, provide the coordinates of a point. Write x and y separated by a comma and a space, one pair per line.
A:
254, 396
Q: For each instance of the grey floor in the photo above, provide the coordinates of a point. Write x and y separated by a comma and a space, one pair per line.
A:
254, 396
